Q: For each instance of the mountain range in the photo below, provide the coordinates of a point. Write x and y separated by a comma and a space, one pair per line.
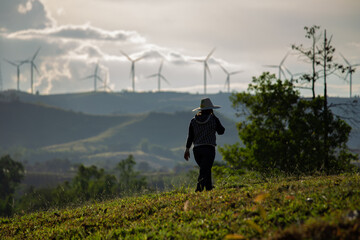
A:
103, 128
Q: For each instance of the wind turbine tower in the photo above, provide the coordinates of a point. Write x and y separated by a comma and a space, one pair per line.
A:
17, 65
280, 66
228, 74
132, 71
351, 69
206, 67
159, 76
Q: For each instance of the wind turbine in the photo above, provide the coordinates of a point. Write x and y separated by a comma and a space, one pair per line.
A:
280, 66
206, 67
132, 72
105, 84
95, 76
17, 65
228, 74
350, 71
32, 67
159, 75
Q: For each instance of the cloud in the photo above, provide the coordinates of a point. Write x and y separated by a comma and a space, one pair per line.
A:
80, 32
70, 52
18, 15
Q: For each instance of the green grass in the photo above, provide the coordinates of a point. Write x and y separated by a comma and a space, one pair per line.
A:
245, 207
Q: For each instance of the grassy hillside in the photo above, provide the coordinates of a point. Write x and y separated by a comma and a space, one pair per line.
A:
247, 207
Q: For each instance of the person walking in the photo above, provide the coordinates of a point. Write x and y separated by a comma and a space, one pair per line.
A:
202, 133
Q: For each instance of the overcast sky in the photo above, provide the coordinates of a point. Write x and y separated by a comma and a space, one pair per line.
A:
75, 35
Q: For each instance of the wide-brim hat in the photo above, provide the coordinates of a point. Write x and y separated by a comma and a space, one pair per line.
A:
206, 104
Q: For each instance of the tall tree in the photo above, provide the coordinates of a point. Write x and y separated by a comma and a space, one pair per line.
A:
310, 54
281, 131
129, 179
11, 174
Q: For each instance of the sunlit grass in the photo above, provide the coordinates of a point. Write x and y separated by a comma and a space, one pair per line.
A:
245, 207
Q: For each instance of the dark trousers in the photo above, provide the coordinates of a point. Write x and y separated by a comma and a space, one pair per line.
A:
204, 157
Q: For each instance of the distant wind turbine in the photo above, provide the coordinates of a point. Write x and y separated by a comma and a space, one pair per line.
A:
17, 65
32, 67
159, 75
95, 76
228, 74
132, 71
206, 67
106, 87
280, 66
350, 71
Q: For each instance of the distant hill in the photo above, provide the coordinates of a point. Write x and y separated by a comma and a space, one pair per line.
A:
34, 125
124, 102
51, 132
96, 127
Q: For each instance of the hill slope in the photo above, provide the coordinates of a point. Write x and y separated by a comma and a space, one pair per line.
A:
98, 139
34, 125
123, 102
248, 208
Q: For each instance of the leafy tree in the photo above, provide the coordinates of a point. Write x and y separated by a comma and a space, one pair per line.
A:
11, 174
93, 183
129, 179
282, 132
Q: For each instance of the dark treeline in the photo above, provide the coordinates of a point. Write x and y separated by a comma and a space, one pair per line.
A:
89, 183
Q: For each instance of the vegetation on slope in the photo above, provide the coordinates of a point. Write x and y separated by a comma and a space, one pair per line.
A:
245, 207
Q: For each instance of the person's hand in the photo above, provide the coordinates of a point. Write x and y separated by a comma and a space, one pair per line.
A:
187, 154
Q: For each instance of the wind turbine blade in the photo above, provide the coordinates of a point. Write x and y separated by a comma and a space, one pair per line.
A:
271, 66
96, 69
90, 76
208, 56
356, 65
223, 69
153, 75
345, 59
138, 59
36, 53
236, 72
161, 65
99, 78
288, 71
10, 62
347, 74
198, 60
36, 68
282, 72
162, 77
127, 56
282, 61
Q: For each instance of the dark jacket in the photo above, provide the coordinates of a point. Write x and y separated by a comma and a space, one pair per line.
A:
202, 129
